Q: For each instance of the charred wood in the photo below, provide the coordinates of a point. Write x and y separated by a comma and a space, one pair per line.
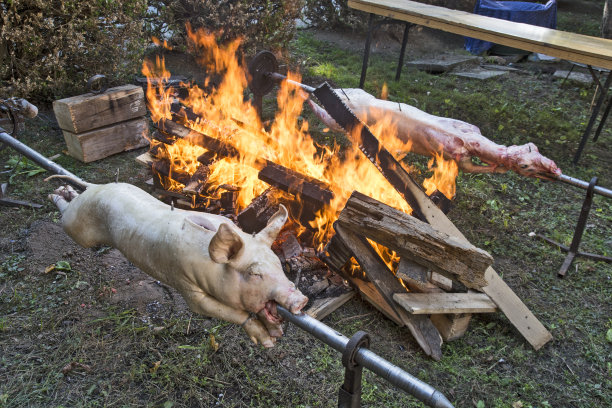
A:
162, 167
387, 284
292, 182
256, 215
197, 182
415, 240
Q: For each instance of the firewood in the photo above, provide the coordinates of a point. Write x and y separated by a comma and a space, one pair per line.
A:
162, 167
451, 326
96, 144
321, 308
311, 190
415, 239
292, 182
387, 284
207, 158
228, 201
255, 216
197, 182
442, 303
82, 113
163, 137
290, 246
415, 277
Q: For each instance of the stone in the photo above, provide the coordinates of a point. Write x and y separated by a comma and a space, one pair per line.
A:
443, 63
480, 73
580, 77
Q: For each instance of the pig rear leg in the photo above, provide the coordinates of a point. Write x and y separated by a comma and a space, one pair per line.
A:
201, 303
62, 197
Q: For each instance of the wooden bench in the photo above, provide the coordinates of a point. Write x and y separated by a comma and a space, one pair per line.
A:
592, 51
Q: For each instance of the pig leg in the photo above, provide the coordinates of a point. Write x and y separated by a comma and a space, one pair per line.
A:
62, 197
201, 303
275, 329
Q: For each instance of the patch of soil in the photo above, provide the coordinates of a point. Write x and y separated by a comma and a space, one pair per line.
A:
105, 269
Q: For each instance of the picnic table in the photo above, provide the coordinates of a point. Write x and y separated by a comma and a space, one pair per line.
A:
592, 51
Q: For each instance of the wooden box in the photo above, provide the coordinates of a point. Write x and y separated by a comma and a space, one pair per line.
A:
81, 113
99, 143
96, 126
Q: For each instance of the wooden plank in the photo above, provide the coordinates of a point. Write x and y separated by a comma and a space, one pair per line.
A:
103, 142
81, 113
508, 302
387, 284
321, 308
415, 239
441, 303
570, 46
145, 159
451, 327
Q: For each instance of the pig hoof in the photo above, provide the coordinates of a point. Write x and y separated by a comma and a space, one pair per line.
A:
268, 343
276, 332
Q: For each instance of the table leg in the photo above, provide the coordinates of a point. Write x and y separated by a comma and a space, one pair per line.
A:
587, 131
602, 122
366, 51
400, 63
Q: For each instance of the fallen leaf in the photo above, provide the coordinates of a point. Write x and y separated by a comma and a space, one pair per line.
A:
213, 343
153, 369
517, 404
68, 368
49, 268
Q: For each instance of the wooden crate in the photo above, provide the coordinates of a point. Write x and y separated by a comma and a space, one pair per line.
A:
99, 143
81, 113
96, 126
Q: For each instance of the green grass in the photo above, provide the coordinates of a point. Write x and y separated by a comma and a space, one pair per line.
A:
50, 320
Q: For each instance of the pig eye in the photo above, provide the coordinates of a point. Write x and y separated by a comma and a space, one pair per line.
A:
255, 273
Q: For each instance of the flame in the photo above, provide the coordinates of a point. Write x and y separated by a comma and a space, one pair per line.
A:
443, 179
224, 114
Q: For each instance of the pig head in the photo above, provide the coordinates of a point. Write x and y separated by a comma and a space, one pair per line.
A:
221, 271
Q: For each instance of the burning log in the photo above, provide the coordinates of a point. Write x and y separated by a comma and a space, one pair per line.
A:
311, 190
197, 182
163, 137
415, 277
415, 240
255, 216
228, 198
162, 167
386, 285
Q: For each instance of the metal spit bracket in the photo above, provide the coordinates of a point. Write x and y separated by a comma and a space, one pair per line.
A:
349, 395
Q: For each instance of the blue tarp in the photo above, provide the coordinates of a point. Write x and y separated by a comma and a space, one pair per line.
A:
543, 15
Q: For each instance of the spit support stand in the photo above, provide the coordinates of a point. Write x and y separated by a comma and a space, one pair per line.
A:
572, 251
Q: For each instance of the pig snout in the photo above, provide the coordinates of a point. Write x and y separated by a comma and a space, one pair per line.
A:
292, 299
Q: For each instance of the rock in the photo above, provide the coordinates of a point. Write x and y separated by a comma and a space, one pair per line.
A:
480, 73
443, 63
574, 76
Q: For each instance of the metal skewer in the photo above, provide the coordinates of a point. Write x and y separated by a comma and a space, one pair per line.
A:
368, 359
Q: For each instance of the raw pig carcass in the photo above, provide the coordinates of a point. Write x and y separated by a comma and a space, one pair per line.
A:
428, 135
221, 271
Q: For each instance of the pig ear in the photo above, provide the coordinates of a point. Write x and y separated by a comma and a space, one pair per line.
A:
269, 233
225, 244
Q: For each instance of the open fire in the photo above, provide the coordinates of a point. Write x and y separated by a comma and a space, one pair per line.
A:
220, 111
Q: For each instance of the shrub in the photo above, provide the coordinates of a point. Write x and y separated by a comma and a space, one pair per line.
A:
262, 24
49, 48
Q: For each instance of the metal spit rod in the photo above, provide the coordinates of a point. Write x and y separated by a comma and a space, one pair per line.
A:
370, 360
39, 159
563, 178
585, 185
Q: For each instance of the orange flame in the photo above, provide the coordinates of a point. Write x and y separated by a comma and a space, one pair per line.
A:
224, 114
443, 179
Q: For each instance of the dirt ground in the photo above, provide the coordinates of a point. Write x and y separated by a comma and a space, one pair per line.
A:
133, 342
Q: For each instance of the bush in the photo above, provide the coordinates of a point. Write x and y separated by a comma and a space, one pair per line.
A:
49, 48
268, 24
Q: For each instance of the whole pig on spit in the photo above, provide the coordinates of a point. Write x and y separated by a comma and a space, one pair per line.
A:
220, 270
428, 135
